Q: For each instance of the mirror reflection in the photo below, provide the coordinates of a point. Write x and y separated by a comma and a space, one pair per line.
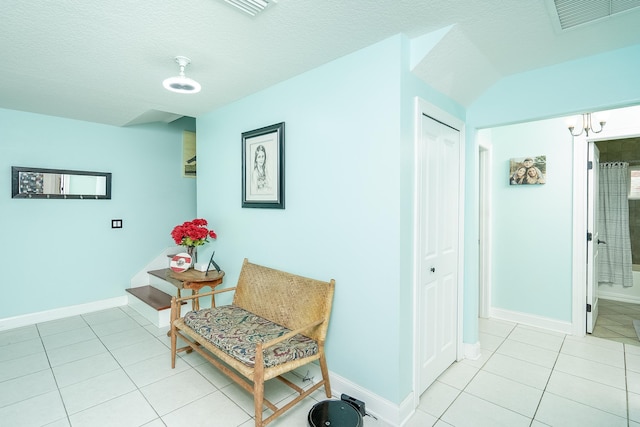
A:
55, 183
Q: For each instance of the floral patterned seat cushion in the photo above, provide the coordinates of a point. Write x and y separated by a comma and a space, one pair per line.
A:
237, 332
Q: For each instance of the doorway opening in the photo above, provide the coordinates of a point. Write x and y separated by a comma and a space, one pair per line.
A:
614, 302
618, 286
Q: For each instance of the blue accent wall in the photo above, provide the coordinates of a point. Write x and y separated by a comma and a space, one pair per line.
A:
532, 233
519, 111
342, 216
349, 201
60, 253
599, 82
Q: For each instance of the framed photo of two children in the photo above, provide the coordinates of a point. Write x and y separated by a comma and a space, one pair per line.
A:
528, 170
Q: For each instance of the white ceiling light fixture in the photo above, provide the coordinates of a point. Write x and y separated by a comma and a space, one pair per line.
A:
251, 7
182, 83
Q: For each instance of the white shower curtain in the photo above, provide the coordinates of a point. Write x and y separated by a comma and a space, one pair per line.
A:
615, 254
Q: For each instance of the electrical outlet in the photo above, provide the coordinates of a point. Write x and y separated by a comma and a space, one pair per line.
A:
116, 223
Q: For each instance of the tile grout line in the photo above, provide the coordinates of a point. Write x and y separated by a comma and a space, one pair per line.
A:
48, 368
533, 418
626, 383
588, 379
107, 349
611, 308
544, 390
68, 416
122, 369
55, 380
191, 367
474, 375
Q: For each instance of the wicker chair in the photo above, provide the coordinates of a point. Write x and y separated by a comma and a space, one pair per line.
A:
284, 321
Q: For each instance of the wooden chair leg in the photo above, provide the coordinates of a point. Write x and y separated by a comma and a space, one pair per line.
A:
258, 399
258, 385
325, 373
173, 332
173, 348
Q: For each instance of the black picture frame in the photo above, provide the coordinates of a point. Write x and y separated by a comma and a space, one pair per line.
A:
263, 167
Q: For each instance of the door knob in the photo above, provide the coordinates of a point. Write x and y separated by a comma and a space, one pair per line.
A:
432, 269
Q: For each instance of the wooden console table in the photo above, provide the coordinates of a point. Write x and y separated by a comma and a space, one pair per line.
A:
190, 279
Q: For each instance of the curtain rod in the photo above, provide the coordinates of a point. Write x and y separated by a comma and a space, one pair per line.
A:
631, 162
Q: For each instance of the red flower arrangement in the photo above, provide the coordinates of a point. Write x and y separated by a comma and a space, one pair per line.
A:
192, 233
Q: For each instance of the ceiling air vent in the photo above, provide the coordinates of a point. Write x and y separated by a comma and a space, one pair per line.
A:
251, 7
571, 13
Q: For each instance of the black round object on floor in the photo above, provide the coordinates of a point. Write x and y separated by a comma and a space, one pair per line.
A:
334, 413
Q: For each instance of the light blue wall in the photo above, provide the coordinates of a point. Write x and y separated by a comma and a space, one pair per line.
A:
599, 82
60, 253
532, 238
342, 216
540, 218
349, 197
348, 216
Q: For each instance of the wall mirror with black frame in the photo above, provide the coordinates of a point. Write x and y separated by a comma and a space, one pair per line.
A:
37, 183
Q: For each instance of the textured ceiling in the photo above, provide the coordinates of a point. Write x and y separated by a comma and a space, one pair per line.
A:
105, 61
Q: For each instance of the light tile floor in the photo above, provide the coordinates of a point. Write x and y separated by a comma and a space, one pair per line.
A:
111, 368
615, 321
533, 377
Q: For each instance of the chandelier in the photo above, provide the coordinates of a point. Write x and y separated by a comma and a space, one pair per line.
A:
587, 125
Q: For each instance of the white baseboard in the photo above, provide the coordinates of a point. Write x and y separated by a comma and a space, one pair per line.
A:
406, 410
59, 313
532, 320
378, 406
617, 297
472, 351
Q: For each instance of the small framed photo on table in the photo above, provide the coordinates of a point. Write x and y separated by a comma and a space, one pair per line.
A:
263, 167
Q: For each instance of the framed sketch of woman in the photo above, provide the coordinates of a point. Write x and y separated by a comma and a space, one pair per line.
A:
263, 167
261, 173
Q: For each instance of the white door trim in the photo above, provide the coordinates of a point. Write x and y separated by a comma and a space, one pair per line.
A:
579, 268
579, 263
593, 227
424, 107
484, 220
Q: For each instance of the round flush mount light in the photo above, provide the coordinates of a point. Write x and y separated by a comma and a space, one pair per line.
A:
182, 83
